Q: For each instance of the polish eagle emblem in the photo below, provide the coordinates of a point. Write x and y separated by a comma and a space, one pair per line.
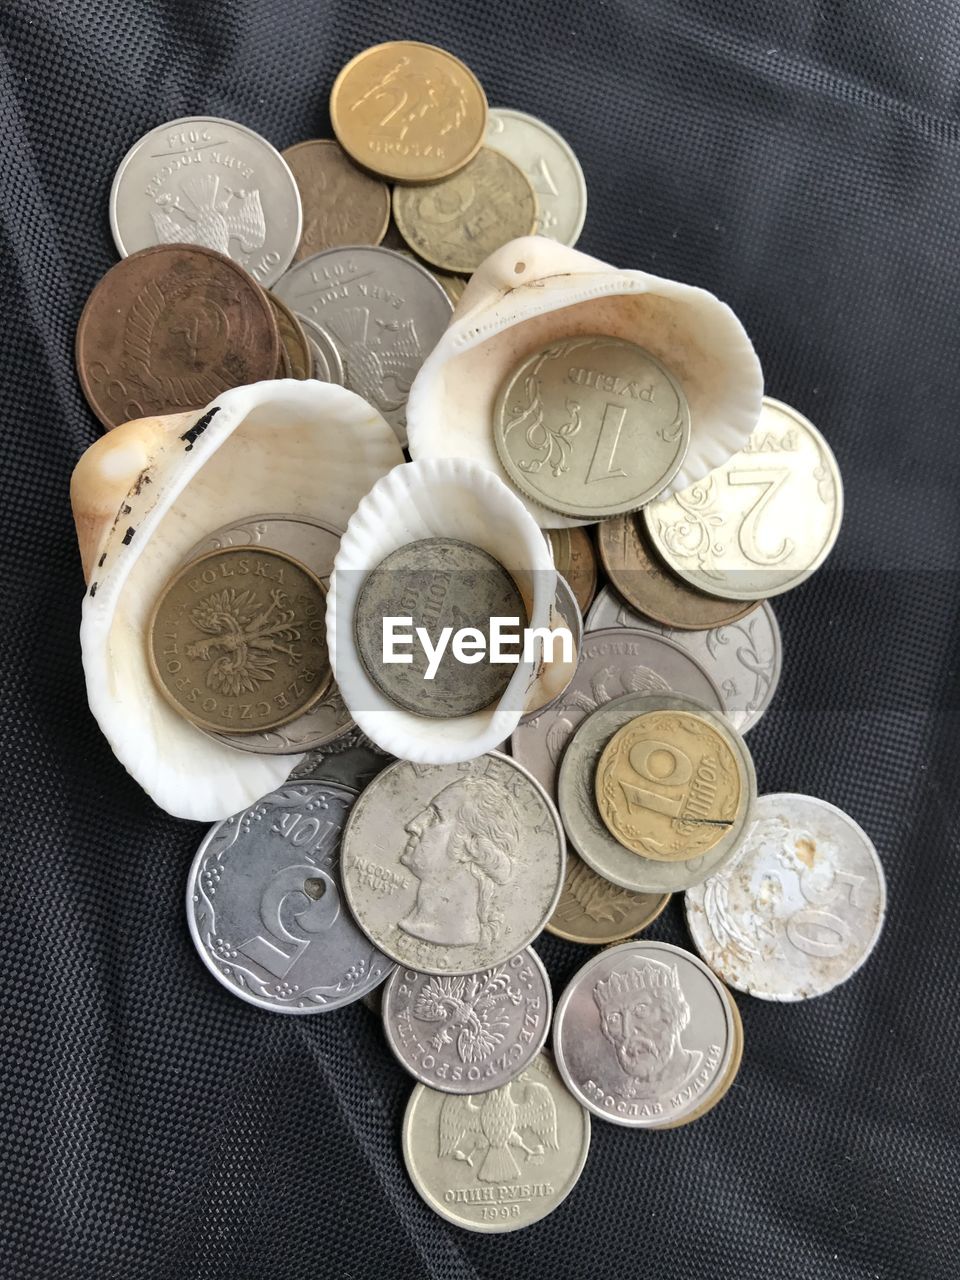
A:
211, 217
471, 1008
245, 641
377, 352
485, 1132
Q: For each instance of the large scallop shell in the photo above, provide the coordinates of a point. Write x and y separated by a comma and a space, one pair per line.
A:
435, 498
143, 495
533, 291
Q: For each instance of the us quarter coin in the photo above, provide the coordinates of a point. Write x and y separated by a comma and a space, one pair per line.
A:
550, 165
211, 182
800, 907
594, 912
742, 658
642, 1033
453, 868
501, 1160
264, 904
469, 1032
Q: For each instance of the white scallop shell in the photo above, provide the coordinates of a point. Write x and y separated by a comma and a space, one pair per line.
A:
436, 497
534, 291
143, 495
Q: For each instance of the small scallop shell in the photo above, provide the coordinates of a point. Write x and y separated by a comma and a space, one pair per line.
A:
534, 291
143, 495
435, 498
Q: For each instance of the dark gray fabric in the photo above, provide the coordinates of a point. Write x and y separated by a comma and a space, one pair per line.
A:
800, 160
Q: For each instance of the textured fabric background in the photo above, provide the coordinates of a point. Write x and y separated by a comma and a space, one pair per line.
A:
799, 159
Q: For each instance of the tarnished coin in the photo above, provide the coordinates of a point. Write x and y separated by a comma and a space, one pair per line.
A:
469, 1032
585, 828
668, 785
293, 341
237, 640
722, 1086
550, 165
327, 365
350, 758
438, 583
553, 678
453, 868
612, 663
211, 182
264, 904
761, 523
457, 223
642, 1033
595, 912
170, 328
341, 203
382, 311
743, 658
639, 575
576, 560
501, 1160
591, 426
800, 907
408, 111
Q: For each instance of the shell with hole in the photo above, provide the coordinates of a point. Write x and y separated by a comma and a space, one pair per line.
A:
143, 495
436, 498
534, 291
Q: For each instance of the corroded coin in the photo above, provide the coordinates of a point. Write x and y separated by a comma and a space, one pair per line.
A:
327, 365
591, 426
438, 583
551, 166
595, 912
668, 785
453, 868
341, 203
469, 1032
408, 111
576, 560
294, 346
501, 1160
457, 223
643, 1033
237, 640
800, 907
170, 328
761, 523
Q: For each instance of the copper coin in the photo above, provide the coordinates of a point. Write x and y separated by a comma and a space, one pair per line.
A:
170, 328
576, 560
341, 204
295, 352
650, 588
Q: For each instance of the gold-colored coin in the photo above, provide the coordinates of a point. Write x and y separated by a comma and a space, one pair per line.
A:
409, 111
237, 640
457, 223
595, 912
723, 1088
576, 560
668, 786
296, 358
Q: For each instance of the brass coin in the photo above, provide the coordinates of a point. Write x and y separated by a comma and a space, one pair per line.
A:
341, 204
295, 353
668, 786
595, 912
576, 560
409, 111
237, 641
720, 1091
647, 586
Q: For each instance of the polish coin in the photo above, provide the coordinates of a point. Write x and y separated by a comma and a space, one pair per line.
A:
591, 426
457, 223
327, 365
501, 1160
586, 829
720, 1089
642, 1033
469, 1032
554, 677
595, 912
550, 165
293, 340
800, 907
575, 558
761, 523
341, 203
205, 181
612, 663
264, 904
453, 868
408, 111
383, 312
743, 658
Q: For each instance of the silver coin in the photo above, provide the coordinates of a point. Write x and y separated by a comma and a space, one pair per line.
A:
469, 1032
551, 166
742, 658
453, 868
327, 365
586, 829
212, 182
565, 613
314, 544
264, 904
642, 1033
800, 907
351, 759
613, 662
383, 312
